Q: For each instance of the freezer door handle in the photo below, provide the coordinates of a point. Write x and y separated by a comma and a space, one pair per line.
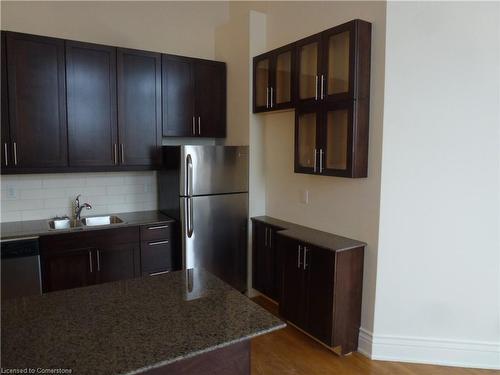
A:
189, 175
189, 215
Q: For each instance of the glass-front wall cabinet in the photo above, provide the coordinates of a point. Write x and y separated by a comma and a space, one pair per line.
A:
273, 80
305, 135
262, 81
338, 64
307, 71
337, 140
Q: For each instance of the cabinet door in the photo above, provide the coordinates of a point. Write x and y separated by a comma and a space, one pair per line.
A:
178, 96
210, 82
336, 139
319, 267
37, 101
139, 106
117, 262
281, 95
338, 62
307, 121
274, 282
308, 53
261, 83
70, 269
5, 158
92, 127
292, 303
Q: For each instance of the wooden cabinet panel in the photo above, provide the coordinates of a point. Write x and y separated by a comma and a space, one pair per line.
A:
210, 85
92, 127
292, 302
309, 68
139, 106
319, 267
157, 256
66, 270
261, 83
117, 262
178, 96
283, 79
37, 100
307, 136
5, 157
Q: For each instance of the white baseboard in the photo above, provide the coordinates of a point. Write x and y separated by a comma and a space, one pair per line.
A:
430, 350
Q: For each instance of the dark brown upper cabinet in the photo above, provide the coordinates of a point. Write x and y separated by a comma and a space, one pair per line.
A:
332, 140
210, 98
335, 64
194, 97
91, 95
274, 80
139, 107
5, 152
37, 102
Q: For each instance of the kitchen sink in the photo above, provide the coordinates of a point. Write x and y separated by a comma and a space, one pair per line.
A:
101, 220
64, 224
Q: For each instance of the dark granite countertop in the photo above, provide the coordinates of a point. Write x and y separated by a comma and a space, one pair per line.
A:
312, 236
33, 228
130, 326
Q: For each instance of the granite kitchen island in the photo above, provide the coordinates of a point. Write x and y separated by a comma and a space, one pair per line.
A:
174, 323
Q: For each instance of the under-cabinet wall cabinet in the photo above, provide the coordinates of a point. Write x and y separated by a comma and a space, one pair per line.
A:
330, 91
70, 106
316, 278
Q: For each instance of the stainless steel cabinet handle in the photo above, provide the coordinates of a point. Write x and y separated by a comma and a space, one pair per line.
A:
5, 154
158, 227
321, 160
158, 243
315, 160
194, 126
158, 273
265, 238
199, 125
90, 262
123, 153
267, 97
270, 237
305, 258
322, 86
15, 153
98, 261
298, 258
316, 94
271, 97
115, 151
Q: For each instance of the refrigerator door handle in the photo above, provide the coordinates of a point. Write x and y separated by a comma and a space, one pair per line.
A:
189, 214
189, 175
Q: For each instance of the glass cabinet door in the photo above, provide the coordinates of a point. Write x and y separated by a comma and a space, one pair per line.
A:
338, 65
305, 141
308, 66
262, 69
283, 79
337, 143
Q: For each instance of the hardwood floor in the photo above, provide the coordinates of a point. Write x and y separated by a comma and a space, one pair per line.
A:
290, 352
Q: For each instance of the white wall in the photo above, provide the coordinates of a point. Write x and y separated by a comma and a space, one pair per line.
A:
42, 196
184, 28
438, 291
349, 207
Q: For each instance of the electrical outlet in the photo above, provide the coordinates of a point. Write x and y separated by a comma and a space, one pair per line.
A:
11, 192
304, 196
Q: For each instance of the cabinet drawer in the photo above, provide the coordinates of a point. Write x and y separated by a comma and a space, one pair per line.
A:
156, 256
158, 231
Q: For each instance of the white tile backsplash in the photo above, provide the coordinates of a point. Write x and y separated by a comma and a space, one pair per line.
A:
43, 196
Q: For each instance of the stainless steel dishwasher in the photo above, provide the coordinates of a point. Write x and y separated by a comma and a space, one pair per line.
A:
21, 275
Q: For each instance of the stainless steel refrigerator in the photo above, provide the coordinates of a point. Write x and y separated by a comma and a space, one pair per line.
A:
206, 189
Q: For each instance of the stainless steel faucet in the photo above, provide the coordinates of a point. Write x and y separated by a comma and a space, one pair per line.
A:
78, 208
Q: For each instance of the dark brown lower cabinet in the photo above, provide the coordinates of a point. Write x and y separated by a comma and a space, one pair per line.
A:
321, 292
157, 249
266, 268
74, 260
